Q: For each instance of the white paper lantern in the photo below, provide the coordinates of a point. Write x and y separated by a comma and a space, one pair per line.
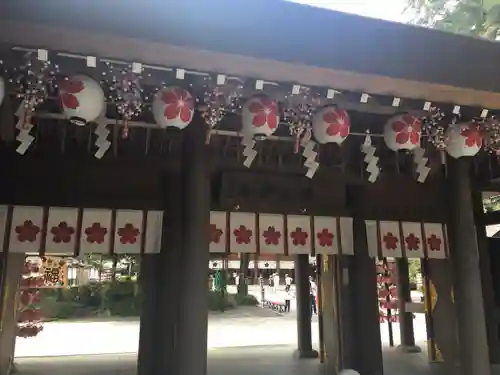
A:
463, 139
2, 90
331, 125
173, 107
82, 99
403, 132
259, 116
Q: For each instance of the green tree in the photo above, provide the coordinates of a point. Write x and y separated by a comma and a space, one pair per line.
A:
413, 269
479, 18
492, 203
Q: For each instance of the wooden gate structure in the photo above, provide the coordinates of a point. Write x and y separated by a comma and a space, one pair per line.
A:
283, 129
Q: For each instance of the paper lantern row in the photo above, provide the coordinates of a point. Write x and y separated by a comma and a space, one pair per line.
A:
393, 239
83, 101
99, 231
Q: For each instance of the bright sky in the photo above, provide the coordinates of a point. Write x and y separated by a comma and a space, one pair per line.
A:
390, 10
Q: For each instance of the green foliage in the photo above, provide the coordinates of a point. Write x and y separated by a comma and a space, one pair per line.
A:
121, 298
492, 204
479, 18
117, 298
413, 269
51, 309
218, 301
248, 300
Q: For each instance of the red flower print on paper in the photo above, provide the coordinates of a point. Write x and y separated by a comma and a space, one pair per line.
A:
391, 242
412, 242
325, 238
27, 232
96, 233
272, 236
265, 111
299, 237
434, 243
338, 122
68, 90
473, 135
62, 232
407, 128
178, 103
128, 234
214, 234
243, 235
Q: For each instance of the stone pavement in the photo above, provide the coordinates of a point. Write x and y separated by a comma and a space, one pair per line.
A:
245, 326
275, 360
264, 360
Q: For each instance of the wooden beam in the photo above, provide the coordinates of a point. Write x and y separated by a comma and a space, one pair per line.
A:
98, 44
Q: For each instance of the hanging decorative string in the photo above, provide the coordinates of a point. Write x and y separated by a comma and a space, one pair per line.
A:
491, 130
220, 97
298, 108
35, 80
434, 127
125, 92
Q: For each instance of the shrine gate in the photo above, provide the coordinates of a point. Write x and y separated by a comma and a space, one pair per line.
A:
283, 129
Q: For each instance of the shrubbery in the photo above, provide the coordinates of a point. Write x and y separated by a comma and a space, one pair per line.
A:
115, 298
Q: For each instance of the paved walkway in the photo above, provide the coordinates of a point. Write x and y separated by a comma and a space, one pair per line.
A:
275, 360
245, 326
247, 340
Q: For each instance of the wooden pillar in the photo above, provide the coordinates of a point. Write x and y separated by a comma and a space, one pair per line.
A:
442, 342
464, 254
11, 266
407, 334
330, 322
363, 279
490, 308
191, 337
304, 338
255, 270
160, 282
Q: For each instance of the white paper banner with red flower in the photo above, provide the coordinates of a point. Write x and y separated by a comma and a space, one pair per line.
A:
173, 106
82, 99
331, 125
259, 119
403, 132
463, 139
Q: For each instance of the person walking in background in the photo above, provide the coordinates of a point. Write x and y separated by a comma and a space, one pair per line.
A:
313, 292
288, 298
288, 282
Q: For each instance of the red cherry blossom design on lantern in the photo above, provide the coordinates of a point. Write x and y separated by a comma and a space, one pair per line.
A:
325, 238
243, 235
265, 111
96, 233
271, 236
412, 242
338, 122
215, 233
473, 135
178, 103
62, 232
434, 243
128, 234
27, 232
68, 90
391, 242
299, 237
407, 129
